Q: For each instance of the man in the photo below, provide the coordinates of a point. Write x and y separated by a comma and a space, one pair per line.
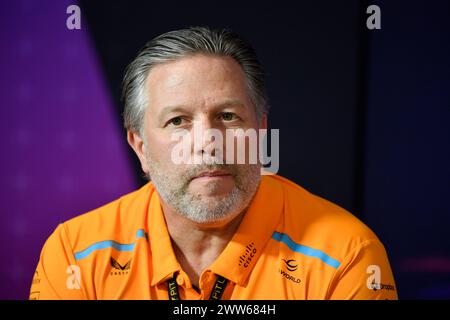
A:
208, 230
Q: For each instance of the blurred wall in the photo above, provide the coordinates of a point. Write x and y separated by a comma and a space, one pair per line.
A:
62, 149
407, 152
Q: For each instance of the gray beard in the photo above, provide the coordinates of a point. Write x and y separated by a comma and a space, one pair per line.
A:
173, 189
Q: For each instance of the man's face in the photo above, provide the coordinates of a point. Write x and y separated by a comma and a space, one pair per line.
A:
207, 92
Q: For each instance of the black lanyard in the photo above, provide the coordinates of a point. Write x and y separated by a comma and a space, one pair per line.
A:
216, 293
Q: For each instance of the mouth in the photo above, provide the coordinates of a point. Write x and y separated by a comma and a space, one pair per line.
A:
212, 174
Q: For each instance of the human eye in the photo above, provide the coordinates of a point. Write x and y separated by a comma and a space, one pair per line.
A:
175, 122
228, 116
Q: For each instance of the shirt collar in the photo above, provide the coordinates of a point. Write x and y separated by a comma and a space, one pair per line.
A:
238, 259
242, 252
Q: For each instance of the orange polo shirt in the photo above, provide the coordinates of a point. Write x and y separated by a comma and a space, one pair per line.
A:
290, 244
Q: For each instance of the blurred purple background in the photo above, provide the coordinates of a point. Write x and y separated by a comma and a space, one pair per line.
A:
59, 134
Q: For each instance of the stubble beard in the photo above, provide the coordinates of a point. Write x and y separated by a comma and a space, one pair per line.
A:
172, 185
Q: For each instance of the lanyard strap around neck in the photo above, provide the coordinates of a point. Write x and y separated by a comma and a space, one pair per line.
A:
216, 293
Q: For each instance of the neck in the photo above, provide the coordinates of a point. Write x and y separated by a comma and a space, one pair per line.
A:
197, 245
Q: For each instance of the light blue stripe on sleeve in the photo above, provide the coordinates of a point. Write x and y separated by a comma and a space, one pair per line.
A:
108, 244
307, 251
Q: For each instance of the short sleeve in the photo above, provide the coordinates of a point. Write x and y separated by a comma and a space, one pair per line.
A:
365, 274
57, 275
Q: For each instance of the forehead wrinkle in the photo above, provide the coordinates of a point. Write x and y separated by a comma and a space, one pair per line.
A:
173, 80
195, 92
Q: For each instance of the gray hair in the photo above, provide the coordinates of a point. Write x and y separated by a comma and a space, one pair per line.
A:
177, 44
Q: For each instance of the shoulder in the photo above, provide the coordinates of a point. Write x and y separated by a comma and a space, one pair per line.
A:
117, 220
318, 223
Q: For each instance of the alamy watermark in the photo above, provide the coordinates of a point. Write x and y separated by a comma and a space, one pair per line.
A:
236, 146
374, 20
73, 21
73, 281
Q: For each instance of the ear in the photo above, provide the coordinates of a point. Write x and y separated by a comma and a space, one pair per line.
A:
136, 142
263, 123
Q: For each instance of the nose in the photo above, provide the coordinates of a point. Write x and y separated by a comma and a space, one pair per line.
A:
207, 141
